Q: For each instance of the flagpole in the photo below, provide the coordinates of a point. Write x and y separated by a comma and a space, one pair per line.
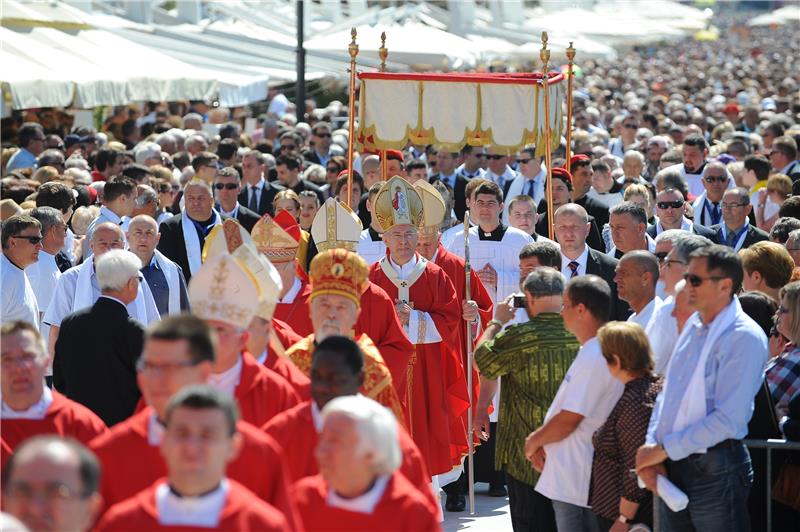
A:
383, 53
544, 55
353, 51
470, 442
570, 60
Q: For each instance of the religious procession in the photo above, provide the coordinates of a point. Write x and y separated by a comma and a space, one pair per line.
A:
400, 266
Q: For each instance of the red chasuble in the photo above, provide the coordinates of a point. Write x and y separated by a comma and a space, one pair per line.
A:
64, 417
295, 314
262, 393
284, 367
284, 333
295, 432
401, 508
437, 387
379, 321
242, 511
130, 463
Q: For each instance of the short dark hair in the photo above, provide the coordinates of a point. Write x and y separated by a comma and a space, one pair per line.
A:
724, 260
698, 141
55, 194
631, 209
319, 125
204, 158
760, 307
227, 148
28, 132
346, 348
51, 157
230, 131
600, 166
105, 157
790, 207
48, 217
137, 172
128, 127
758, 164
416, 164
341, 182
17, 224
592, 292
787, 146
490, 188
782, 227
547, 253
185, 327
118, 186
204, 397
88, 464
289, 161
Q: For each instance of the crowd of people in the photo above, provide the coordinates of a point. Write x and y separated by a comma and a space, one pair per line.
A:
204, 327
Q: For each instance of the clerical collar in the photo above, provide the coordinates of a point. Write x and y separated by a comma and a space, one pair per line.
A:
174, 492
374, 235
496, 235
263, 357
293, 291
364, 503
38, 410
155, 430
316, 416
228, 380
196, 511
405, 270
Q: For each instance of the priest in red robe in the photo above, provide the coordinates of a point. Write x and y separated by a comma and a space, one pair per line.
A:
179, 352
427, 306
29, 408
200, 440
359, 487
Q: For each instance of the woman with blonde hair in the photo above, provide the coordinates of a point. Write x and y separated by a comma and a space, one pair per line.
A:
783, 371
615, 498
45, 174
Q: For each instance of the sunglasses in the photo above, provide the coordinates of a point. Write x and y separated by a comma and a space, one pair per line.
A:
495, 157
696, 280
661, 255
677, 204
332, 170
631, 126
480, 155
226, 186
323, 135
524, 161
716, 179
32, 239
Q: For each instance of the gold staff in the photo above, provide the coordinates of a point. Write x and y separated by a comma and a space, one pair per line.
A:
468, 369
544, 55
353, 50
383, 53
570, 59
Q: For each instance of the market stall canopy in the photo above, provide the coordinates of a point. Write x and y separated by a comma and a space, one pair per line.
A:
501, 111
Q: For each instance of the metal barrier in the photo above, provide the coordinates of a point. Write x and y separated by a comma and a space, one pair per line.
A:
769, 445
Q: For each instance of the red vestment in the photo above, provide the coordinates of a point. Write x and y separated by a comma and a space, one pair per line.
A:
400, 508
130, 463
295, 432
379, 321
295, 314
437, 387
262, 393
284, 333
242, 511
64, 417
284, 367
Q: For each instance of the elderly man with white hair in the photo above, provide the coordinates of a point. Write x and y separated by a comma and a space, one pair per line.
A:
359, 486
195, 144
97, 347
147, 153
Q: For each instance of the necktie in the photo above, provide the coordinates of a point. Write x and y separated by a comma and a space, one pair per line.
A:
573, 266
732, 238
715, 213
253, 205
529, 188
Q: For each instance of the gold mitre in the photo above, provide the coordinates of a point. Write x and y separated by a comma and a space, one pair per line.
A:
267, 277
277, 237
224, 290
397, 203
433, 207
335, 226
225, 238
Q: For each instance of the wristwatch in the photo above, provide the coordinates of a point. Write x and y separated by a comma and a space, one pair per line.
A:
495, 321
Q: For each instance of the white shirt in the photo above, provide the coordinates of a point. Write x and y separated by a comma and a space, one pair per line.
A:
588, 389
663, 334
36, 411
421, 328
107, 215
581, 260
370, 250
686, 225
228, 380
643, 318
18, 299
364, 504
293, 291
43, 276
202, 511
155, 430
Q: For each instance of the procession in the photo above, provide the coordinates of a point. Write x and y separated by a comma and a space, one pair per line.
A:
371, 284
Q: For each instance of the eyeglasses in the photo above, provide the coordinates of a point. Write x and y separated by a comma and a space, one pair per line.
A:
696, 280
323, 135
716, 178
732, 205
677, 204
51, 492
494, 157
288, 147
631, 126
31, 239
669, 262
524, 161
226, 186
332, 170
480, 155
143, 366
661, 255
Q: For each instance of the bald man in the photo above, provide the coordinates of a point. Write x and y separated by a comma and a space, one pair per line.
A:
636, 277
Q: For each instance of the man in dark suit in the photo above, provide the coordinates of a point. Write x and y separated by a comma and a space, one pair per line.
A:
97, 347
257, 193
288, 167
577, 258
581, 168
227, 186
735, 231
671, 213
562, 194
200, 214
446, 163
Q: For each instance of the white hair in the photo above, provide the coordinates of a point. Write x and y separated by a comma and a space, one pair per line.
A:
376, 427
79, 175
115, 268
146, 150
79, 163
315, 173
670, 235
634, 154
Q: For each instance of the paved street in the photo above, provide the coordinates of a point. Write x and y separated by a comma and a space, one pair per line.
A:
491, 514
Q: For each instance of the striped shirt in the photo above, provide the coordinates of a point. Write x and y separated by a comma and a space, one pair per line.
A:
532, 358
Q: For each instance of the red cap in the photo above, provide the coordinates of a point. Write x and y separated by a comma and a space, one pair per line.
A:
397, 155
731, 108
287, 222
561, 173
578, 157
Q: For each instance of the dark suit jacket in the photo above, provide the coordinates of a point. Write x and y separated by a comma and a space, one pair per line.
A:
753, 235
459, 194
267, 195
173, 245
246, 217
63, 262
95, 359
305, 184
596, 209
604, 266
595, 238
363, 213
697, 229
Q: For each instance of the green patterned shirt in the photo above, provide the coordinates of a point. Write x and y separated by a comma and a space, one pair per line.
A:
532, 358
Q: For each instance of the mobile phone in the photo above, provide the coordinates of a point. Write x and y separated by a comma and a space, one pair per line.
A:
519, 301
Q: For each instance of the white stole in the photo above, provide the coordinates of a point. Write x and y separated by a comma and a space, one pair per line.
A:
193, 250
693, 404
403, 285
171, 273
84, 293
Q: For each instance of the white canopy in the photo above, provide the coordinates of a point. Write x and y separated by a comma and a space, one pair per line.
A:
779, 17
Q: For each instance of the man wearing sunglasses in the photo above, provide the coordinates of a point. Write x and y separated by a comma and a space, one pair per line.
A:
321, 140
735, 230
706, 207
671, 214
529, 181
692, 169
227, 186
22, 241
474, 164
701, 416
497, 168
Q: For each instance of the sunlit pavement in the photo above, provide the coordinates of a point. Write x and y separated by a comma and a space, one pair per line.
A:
491, 513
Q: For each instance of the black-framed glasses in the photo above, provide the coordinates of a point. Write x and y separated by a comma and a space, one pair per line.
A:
631, 126
661, 255
143, 366
732, 205
494, 157
696, 280
716, 178
524, 161
480, 155
323, 135
226, 186
664, 205
31, 239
